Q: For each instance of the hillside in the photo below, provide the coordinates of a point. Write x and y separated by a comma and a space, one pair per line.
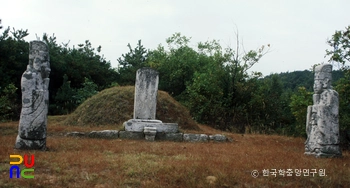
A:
115, 105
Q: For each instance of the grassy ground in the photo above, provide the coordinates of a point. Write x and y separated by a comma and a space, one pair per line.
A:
83, 162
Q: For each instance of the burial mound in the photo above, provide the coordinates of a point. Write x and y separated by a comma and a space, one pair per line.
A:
115, 105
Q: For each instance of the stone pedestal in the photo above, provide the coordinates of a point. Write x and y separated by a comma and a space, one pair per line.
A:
137, 125
30, 144
150, 133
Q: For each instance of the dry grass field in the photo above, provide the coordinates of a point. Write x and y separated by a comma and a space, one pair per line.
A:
86, 162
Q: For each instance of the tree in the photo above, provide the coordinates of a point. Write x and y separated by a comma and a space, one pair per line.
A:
14, 57
13, 61
340, 53
299, 103
89, 89
340, 42
130, 63
64, 101
78, 64
239, 84
75, 65
177, 66
68, 98
204, 94
211, 81
8, 103
266, 105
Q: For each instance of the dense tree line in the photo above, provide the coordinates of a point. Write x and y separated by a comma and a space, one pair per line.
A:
218, 88
213, 82
76, 73
305, 78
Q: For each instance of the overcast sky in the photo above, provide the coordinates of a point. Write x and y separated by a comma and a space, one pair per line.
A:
297, 30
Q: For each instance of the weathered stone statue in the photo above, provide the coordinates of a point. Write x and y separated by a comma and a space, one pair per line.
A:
322, 122
35, 99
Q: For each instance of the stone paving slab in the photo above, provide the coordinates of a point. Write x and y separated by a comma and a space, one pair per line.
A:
160, 136
108, 134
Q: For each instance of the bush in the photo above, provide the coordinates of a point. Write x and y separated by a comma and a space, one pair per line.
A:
68, 98
8, 106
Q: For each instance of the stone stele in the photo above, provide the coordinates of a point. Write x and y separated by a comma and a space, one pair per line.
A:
35, 99
146, 90
322, 121
145, 103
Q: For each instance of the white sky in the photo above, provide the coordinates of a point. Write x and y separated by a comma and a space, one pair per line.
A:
296, 29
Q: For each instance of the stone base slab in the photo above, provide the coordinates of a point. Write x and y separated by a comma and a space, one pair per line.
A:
326, 151
217, 138
131, 135
161, 136
108, 134
195, 137
175, 137
75, 134
30, 144
135, 125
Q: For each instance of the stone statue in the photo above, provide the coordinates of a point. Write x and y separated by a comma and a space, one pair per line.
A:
322, 122
35, 99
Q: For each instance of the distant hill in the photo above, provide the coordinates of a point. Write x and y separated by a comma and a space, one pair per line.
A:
293, 80
115, 105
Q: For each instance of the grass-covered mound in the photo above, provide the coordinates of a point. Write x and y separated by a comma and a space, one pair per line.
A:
115, 105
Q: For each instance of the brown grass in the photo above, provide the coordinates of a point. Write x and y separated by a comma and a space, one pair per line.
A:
115, 105
83, 162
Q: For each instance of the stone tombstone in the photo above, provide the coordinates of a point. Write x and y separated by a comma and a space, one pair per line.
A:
322, 121
146, 90
35, 99
144, 122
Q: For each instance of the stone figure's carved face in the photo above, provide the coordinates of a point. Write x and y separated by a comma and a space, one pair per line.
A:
45, 65
41, 63
320, 85
37, 62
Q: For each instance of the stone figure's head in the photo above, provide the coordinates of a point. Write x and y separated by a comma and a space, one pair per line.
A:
39, 59
323, 78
